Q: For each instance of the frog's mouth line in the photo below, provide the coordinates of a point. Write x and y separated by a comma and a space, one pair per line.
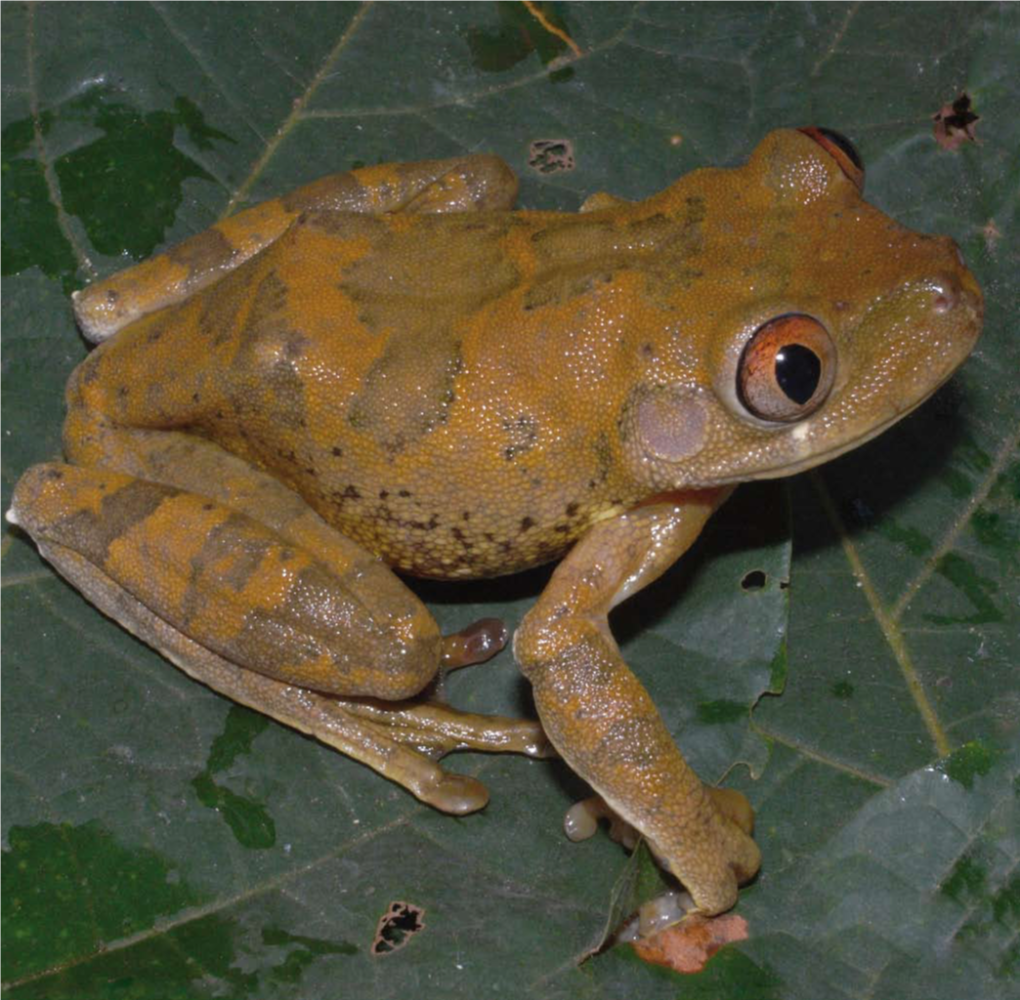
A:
827, 456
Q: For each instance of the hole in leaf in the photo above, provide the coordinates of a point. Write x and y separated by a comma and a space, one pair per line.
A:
551, 156
755, 580
954, 123
397, 926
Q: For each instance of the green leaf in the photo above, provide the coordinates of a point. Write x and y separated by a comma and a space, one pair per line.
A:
162, 843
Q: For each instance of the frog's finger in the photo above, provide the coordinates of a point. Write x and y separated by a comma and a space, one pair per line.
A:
734, 806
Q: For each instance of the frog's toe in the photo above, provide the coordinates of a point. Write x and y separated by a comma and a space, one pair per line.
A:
582, 820
734, 806
714, 864
457, 794
479, 642
434, 729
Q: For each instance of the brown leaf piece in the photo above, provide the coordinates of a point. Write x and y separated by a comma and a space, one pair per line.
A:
688, 945
992, 234
954, 123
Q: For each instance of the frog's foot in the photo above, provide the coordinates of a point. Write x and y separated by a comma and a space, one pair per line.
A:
656, 915
733, 806
582, 818
434, 728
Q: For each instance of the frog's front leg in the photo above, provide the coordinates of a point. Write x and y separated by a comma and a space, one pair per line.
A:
246, 589
481, 182
600, 718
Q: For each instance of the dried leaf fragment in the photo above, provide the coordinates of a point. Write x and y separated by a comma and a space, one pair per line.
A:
688, 945
992, 235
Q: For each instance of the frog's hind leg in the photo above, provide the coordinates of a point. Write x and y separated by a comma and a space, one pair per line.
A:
242, 585
469, 183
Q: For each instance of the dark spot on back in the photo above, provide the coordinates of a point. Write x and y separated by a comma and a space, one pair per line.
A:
208, 251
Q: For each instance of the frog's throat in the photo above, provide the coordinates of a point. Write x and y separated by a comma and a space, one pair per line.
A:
802, 465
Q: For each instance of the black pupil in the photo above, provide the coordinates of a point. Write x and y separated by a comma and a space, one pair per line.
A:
797, 372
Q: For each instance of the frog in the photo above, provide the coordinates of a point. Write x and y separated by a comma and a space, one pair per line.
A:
394, 372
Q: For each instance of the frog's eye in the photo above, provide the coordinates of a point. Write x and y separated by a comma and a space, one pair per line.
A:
842, 150
787, 369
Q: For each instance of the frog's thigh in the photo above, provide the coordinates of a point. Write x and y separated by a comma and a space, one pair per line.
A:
468, 183
234, 585
601, 719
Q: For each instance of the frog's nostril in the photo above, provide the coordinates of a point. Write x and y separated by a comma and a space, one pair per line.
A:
958, 294
948, 293
945, 299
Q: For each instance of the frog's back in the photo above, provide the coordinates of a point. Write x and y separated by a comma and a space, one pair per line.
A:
411, 376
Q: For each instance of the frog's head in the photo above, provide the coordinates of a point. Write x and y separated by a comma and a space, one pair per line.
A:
817, 322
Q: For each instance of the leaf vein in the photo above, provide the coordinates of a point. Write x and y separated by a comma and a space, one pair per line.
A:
193, 913
52, 186
297, 112
200, 61
1009, 447
465, 100
888, 625
816, 755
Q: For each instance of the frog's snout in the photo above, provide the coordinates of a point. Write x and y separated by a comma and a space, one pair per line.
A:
952, 295
956, 295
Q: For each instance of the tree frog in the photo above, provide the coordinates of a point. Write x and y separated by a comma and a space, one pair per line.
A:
392, 371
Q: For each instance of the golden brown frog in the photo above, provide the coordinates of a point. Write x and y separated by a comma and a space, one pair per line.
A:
390, 369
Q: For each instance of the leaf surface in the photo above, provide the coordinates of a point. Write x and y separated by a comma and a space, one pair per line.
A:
160, 842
